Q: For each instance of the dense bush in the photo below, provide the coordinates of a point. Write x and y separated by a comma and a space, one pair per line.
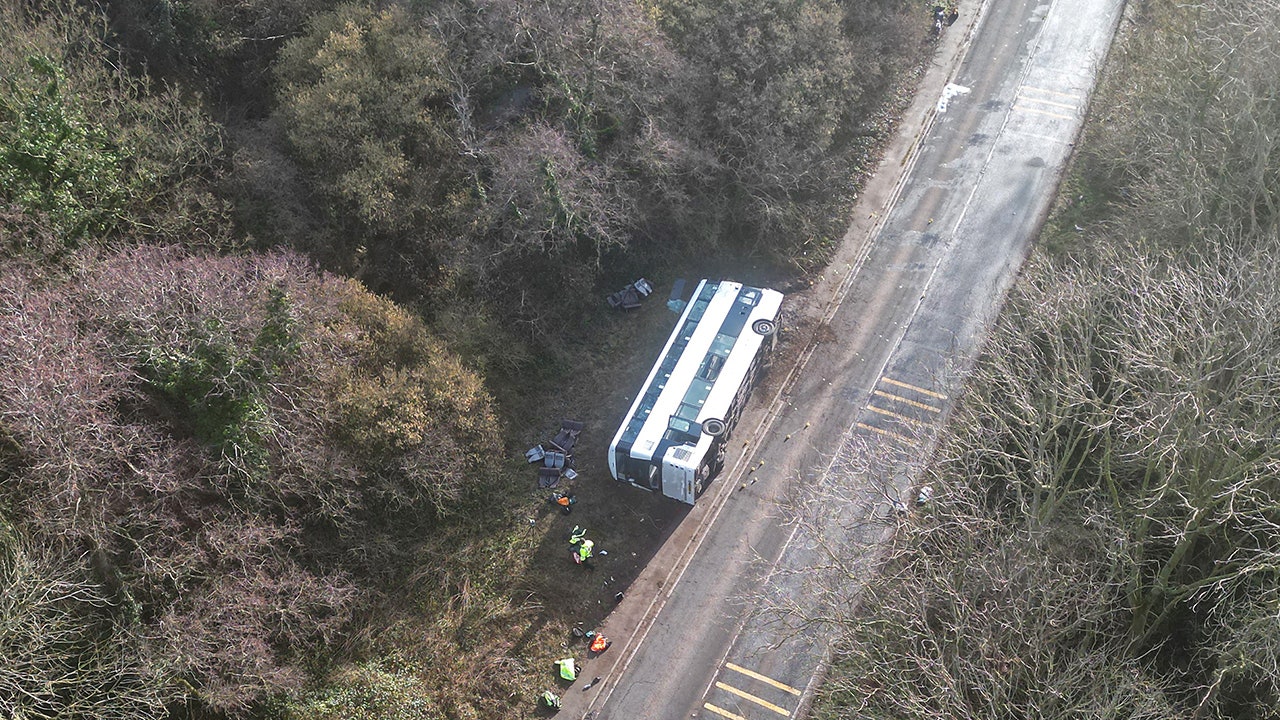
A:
782, 95
242, 447
89, 151
489, 145
366, 106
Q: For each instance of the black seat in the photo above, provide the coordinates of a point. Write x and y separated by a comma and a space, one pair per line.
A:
548, 477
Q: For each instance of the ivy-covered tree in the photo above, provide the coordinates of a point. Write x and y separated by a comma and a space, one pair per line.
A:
366, 108
90, 151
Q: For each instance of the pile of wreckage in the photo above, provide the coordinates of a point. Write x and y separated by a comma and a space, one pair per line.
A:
629, 297
556, 456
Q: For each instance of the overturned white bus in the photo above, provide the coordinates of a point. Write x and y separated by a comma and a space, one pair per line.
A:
673, 439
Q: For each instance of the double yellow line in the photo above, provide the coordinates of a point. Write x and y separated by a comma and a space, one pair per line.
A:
1022, 97
748, 696
897, 398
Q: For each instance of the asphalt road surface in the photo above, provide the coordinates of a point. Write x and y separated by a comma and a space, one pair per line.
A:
939, 236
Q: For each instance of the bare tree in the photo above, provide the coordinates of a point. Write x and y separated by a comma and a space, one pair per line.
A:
64, 657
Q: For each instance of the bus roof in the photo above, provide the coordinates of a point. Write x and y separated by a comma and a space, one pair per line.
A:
702, 365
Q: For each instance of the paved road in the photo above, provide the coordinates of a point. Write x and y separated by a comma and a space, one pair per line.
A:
906, 308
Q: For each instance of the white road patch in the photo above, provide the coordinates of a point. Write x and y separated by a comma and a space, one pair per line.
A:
948, 92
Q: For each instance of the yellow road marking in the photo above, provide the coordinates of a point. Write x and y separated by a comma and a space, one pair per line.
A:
896, 416
890, 433
899, 398
1047, 102
762, 678
1051, 92
1060, 116
722, 712
909, 386
759, 701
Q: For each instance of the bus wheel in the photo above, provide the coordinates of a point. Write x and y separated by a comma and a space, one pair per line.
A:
714, 427
764, 327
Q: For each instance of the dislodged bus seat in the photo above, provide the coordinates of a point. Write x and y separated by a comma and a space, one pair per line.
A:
554, 459
568, 436
548, 477
556, 456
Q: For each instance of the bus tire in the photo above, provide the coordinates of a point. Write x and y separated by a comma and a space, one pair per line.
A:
715, 427
764, 327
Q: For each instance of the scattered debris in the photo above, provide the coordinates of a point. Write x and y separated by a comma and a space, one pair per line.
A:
548, 477
556, 456
567, 437
565, 500
676, 301
926, 494
629, 297
588, 686
599, 643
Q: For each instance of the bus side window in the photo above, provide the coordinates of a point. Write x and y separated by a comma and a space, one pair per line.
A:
710, 369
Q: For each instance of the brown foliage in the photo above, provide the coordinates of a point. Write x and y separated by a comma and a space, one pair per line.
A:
190, 420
